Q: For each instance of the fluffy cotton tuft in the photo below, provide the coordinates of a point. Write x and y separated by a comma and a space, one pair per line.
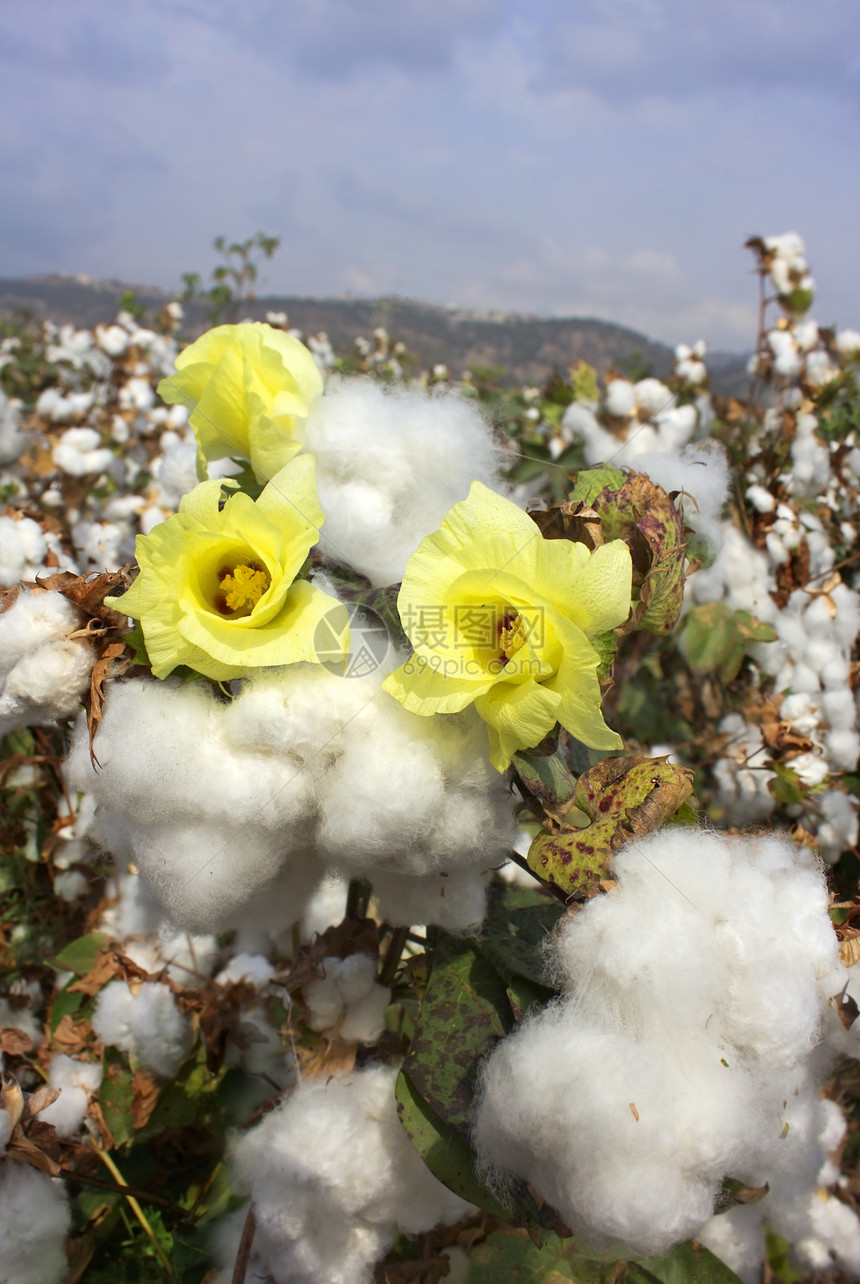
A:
77, 1081
243, 807
42, 675
332, 1176
144, 1022
34, 1220
389, 465
695, 993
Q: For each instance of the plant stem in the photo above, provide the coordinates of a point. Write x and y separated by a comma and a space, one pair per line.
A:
246, 1243
133, 1204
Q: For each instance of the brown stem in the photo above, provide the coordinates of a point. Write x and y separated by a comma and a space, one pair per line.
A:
557, 892
393, 954
246, 1243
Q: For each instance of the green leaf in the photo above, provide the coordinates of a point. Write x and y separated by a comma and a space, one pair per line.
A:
713, 639
135, 640
65, 1004
785, 786
116, 1096
511, 1256
519, 921
80, 956
592, 481
689, 1263
443, 1150
464, 1011
546, 777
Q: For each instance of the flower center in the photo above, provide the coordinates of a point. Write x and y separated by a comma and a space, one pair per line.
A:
512, 635
241, 588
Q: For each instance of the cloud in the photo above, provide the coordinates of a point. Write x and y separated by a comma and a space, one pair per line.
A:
331, 39
87, 40
625, 50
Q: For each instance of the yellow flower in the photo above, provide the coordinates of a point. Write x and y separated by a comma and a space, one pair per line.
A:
248, 387
217, 588
500, 617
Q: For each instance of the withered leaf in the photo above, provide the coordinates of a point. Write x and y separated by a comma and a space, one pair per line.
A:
849, 946
108, 665
146, 1088
624, 798
572, 520
14, 1041
846, 1008
70, 1036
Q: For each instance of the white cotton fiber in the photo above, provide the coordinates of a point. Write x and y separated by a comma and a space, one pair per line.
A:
332, 1176
701, 472
42, 676
144, 1022
694, 998
32, 620
77, 1081
389, 465
232, 811
34, 1220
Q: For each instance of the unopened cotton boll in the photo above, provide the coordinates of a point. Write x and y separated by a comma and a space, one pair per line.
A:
144, 1022
34, 1220
389, 466
332, 1176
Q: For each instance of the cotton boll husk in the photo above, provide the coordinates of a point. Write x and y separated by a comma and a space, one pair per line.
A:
702, 472
332, 1174
145, 1022
389, 466
34, 1220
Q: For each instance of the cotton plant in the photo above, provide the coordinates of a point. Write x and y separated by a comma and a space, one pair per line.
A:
362, 668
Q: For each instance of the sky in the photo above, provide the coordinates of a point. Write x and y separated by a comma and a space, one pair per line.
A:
603, 158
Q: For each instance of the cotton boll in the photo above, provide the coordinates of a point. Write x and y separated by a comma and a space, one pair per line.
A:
613, 1177
697, 987
620, 398
34, 1221
145, 1023
32, 620
46, 684
135, 912
580, 424
71, 885
324, 1000
455, 901
737, 1237
277, 905
188, 957
843, 749
77, 1081
327, 906
252, 969
702, 473
364, 1021
332, 1175
390, 464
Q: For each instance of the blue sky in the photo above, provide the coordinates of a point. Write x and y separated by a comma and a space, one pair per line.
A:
560, 157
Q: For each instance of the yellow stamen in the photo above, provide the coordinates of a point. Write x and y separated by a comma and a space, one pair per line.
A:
243, 587
512, 637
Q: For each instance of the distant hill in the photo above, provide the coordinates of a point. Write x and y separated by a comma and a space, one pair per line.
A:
527, 347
